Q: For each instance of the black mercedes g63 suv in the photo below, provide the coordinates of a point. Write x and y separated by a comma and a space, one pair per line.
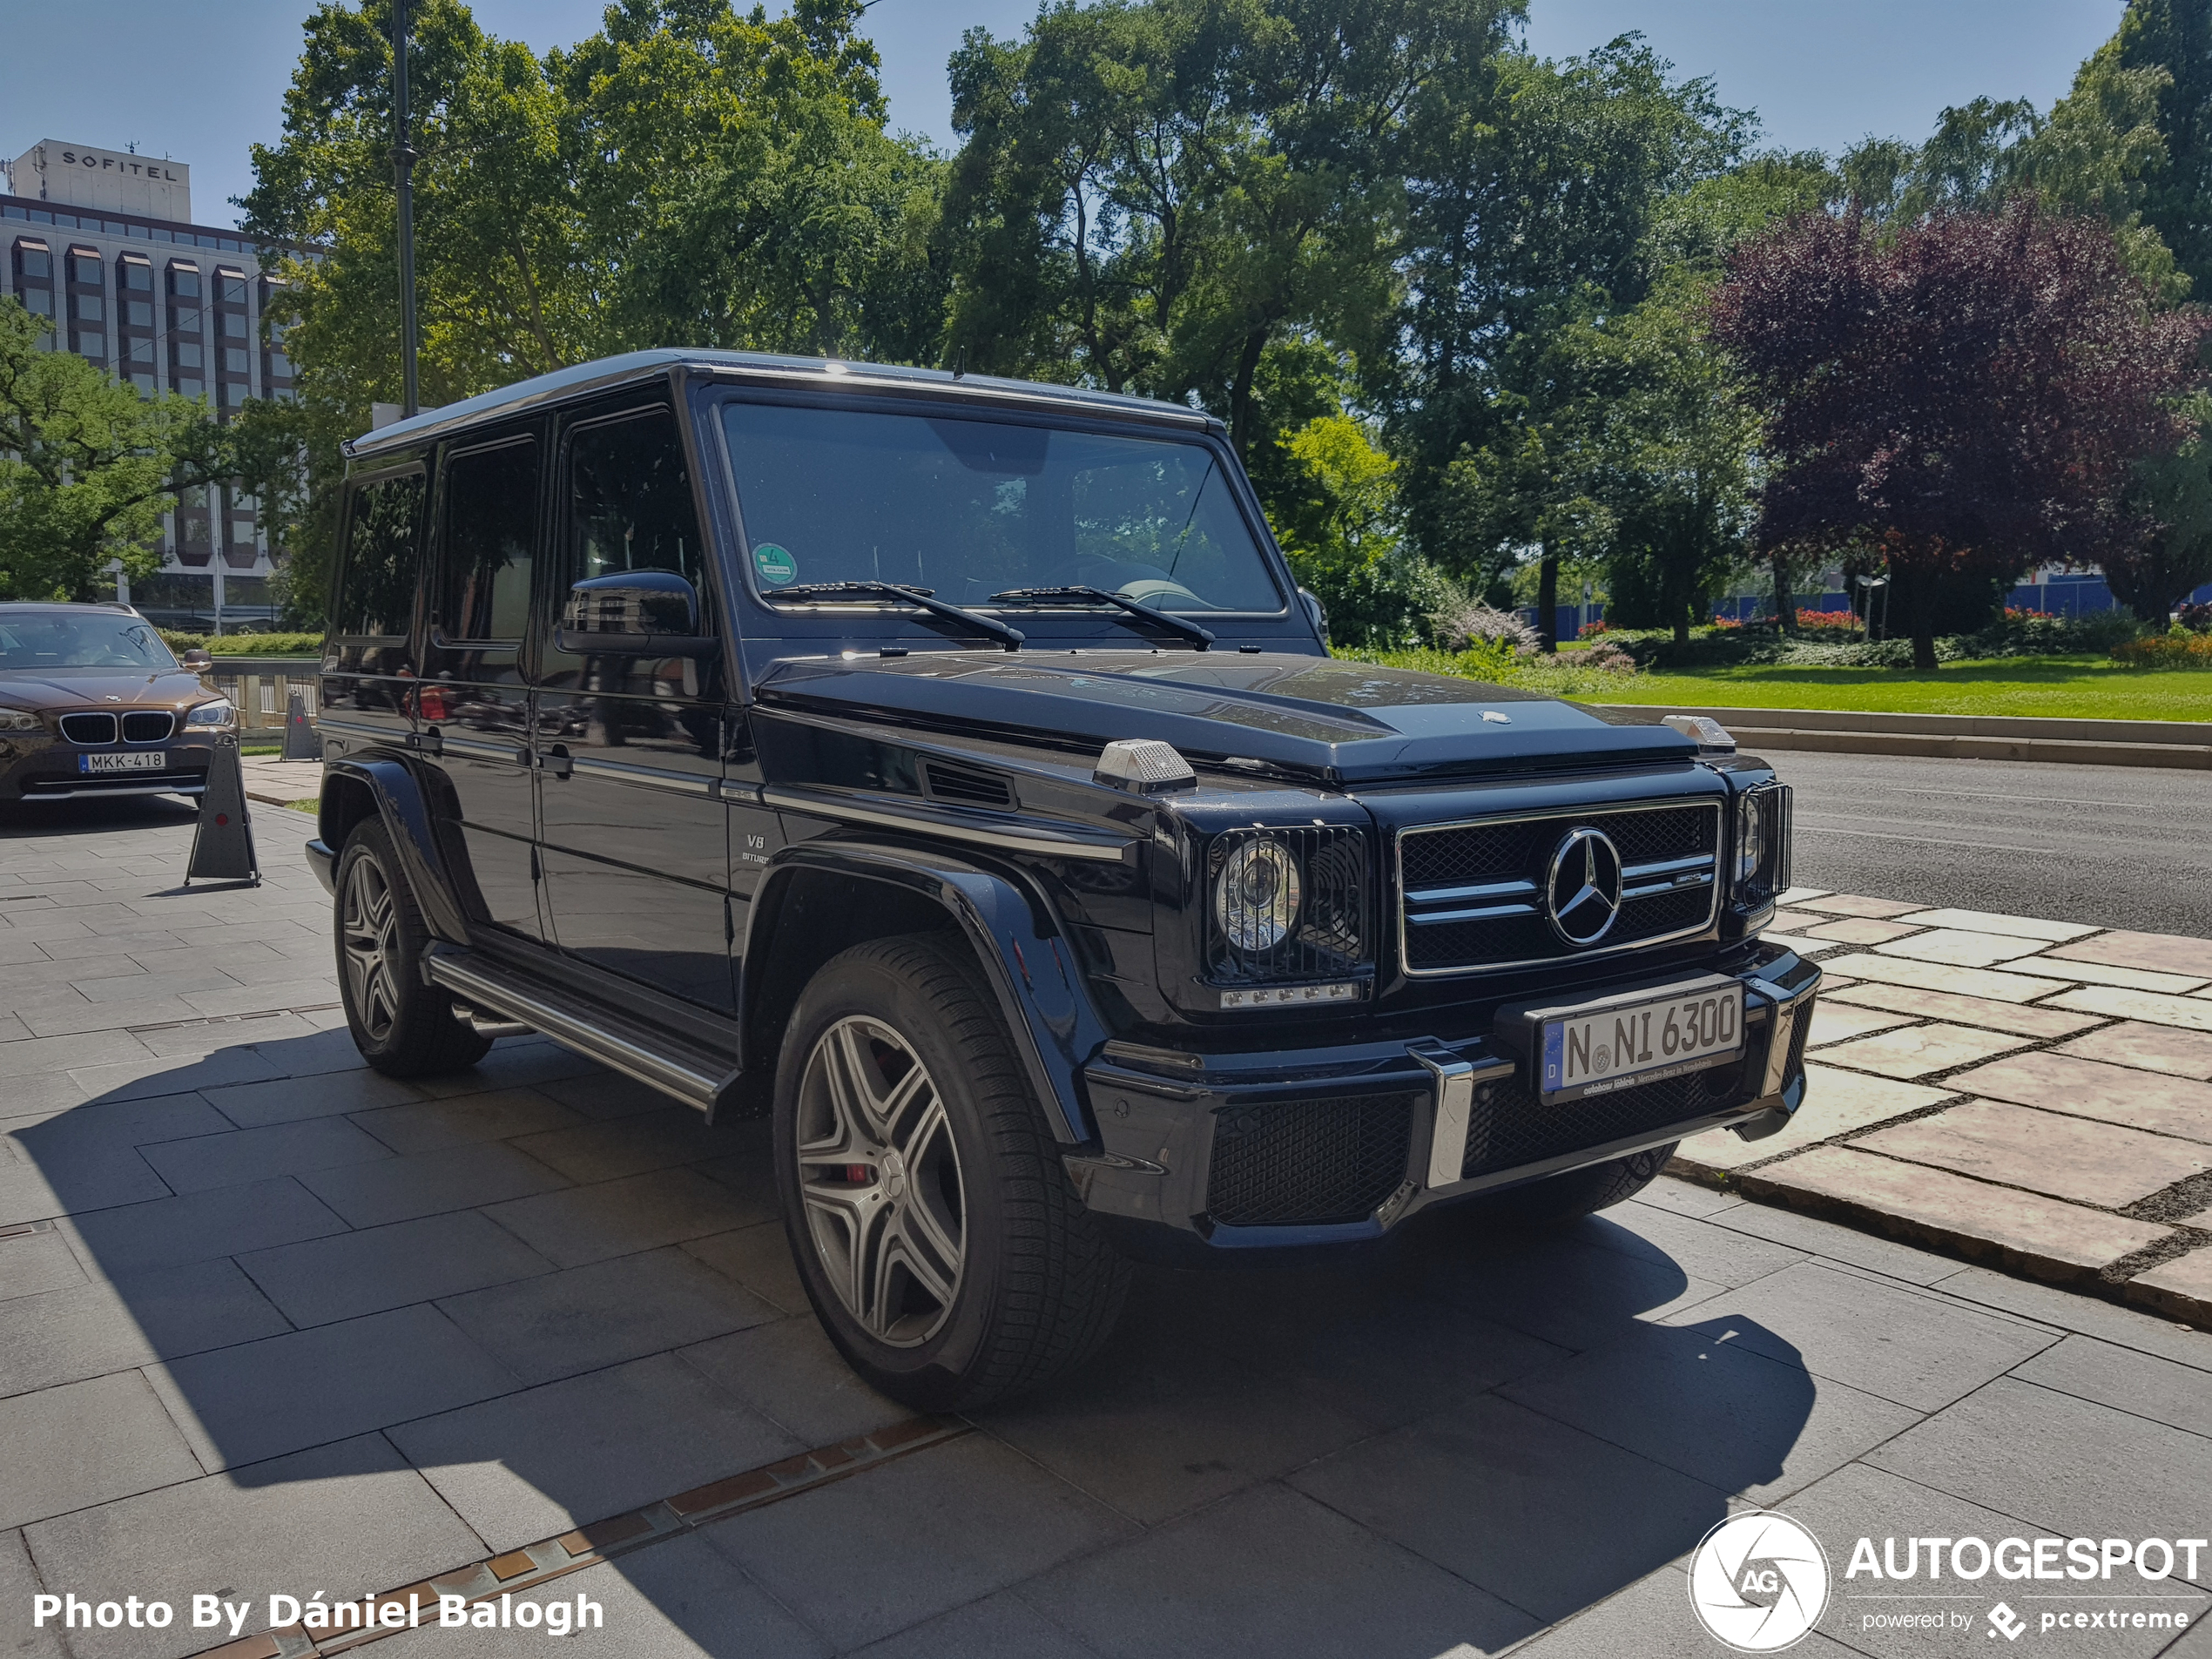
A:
951, 768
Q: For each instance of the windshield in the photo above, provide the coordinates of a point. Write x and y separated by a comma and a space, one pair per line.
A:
87, 639
969, 508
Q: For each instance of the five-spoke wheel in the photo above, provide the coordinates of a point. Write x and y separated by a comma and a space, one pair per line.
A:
404, 1026
880, 1176
933, 1222
367, 933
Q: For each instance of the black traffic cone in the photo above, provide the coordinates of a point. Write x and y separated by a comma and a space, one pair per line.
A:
300, 740
222, 848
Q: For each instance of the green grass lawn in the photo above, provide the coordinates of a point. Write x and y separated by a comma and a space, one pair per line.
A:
2073, 688
2050, 687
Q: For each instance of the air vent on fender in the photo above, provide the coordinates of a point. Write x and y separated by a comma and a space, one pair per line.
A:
966, 786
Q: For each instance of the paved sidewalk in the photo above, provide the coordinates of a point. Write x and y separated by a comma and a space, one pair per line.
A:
280, 783
270, 1323
2036, 1094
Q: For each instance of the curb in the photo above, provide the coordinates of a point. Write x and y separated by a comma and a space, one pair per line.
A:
2182, 745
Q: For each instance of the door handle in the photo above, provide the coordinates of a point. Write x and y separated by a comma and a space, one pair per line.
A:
556, 761
432, 742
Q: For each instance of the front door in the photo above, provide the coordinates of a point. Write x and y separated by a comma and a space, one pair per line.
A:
635, 848
474, 707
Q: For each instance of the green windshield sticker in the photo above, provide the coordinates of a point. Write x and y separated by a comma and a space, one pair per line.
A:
775, 564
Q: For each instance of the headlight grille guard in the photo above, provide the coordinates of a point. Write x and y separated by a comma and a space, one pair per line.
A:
1769, 879
1331, 935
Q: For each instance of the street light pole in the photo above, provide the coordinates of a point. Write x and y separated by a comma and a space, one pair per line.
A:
403, 172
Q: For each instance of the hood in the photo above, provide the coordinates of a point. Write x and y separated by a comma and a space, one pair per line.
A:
1346, 722
59, 690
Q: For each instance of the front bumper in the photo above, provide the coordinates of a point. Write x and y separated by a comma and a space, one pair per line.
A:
1336, 1145
47, 770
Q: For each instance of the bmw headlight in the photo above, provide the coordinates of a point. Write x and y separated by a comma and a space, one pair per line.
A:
18, 720
217, 714
1256, 896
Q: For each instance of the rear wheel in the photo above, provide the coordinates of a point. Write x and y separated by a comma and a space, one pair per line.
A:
939, 1239
1567, 1197
402, 1027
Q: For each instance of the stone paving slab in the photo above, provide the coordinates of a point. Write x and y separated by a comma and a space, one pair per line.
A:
2067, 1157
2040, 1023
2062, 1082
2165, 953
1914, 1051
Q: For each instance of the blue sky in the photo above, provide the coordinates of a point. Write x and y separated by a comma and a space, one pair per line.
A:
201, 82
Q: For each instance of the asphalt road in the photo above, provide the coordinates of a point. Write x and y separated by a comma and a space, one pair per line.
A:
2114, 847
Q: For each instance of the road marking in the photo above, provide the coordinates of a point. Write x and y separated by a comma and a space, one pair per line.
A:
2038, 801
1929, 840
525, 1568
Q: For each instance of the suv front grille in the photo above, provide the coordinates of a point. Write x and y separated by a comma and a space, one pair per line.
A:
148, 725
90, 730
1472, 897
1306, 1162
1512, 1127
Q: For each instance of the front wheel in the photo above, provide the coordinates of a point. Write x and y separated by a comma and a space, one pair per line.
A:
1560, 1198
943, 1248
402, 1027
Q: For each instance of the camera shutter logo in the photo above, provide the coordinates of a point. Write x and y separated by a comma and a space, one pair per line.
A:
1759, 1582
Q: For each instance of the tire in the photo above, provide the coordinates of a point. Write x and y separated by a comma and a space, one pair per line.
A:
1561, 1198
934, 1226
402, 1027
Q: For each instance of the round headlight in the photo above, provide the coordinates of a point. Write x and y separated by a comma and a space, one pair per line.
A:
1256, 898
1750, 837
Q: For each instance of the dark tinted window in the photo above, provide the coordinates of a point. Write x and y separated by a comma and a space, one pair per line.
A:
626, 505
383, 557
491, 538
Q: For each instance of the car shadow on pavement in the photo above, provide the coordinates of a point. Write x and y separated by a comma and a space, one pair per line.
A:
340, 1333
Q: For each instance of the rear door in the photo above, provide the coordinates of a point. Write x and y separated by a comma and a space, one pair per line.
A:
635, 848
474, 704
369, 671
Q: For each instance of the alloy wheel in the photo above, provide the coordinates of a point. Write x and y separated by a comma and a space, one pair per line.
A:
880, 1180
369, 926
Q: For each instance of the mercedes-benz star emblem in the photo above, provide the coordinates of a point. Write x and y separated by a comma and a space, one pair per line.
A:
1582, 892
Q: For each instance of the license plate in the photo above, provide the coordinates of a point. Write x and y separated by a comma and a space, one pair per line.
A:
1619, 1044
123, 760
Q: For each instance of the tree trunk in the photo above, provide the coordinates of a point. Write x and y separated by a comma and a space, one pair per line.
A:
1547, 601
1785, 602
1924, 655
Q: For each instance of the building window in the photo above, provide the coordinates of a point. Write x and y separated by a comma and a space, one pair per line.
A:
136, 352
230, 287
38, 301
184, 281
234, 394
191, 385
34, 262
88, 307
234, 360
139, 314
279, 365
231, 326
144, 382
84, 267
135, 276
187, 353
92, 344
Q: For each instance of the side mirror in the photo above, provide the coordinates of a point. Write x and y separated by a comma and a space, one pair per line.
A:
197, 660
633, 613
1314, 614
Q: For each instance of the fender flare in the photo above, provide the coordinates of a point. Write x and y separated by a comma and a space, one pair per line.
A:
1026, 957
403, 804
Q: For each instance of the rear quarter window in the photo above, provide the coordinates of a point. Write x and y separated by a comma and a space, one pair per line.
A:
383, 560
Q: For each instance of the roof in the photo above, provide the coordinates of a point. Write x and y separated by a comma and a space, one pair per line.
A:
760, 368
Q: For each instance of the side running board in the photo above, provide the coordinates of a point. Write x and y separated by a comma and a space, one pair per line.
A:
690, 1073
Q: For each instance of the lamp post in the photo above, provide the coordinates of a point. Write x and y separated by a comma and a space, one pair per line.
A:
403, 172
1867, 585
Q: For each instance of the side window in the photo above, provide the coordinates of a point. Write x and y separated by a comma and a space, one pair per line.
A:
490, 541
629, 500
625, 504
383, 558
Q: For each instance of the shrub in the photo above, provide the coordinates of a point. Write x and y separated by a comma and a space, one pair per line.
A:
2197, 618
1608, 657
2040, 633
2165, 651
1468, 624
243, 644
1591, 629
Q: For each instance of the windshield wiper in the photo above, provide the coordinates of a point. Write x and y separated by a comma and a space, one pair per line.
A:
1010, 637
1182, 625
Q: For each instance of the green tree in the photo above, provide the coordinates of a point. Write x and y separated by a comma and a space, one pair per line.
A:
2172, 493
87, 466
1343, 539
2170, 43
